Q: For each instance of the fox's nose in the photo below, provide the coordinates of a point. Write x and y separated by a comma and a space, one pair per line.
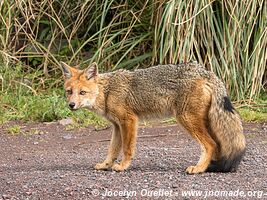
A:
71, 105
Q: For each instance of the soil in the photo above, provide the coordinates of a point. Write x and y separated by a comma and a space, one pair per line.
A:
47, 161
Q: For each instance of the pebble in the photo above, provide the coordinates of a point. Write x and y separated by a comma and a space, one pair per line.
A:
65, 122
67, 136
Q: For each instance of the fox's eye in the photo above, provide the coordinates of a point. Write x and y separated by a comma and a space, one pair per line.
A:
69, 92
82, 92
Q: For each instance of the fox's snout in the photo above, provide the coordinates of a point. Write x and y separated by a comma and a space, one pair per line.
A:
72, 105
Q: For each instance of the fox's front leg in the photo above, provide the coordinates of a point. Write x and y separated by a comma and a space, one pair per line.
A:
114, 149
128, 134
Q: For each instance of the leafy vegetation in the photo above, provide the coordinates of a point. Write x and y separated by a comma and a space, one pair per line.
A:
229, 37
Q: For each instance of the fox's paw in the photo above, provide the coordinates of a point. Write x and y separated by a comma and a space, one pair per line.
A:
118, 167
194, 170
102, 166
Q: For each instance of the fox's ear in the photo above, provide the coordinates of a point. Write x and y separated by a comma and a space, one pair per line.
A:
91, 71
66, 70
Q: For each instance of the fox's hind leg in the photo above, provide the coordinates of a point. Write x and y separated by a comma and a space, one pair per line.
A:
114, 149
192, 113
128, 127
195, 125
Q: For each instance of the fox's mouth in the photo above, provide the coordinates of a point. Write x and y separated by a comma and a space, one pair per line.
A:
73, 109
76, 107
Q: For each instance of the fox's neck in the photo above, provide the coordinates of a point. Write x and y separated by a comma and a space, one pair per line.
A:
100, 103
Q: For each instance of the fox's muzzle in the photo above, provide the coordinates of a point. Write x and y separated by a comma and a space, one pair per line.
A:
72, 105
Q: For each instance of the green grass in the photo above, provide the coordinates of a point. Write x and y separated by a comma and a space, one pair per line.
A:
14, 130
255, 111
250, 115
18, 130
45, 107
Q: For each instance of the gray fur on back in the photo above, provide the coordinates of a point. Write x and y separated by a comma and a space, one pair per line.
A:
158, 86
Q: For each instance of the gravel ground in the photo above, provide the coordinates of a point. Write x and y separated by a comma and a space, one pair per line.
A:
49, 162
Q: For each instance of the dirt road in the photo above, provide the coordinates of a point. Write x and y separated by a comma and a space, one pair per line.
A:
49, 162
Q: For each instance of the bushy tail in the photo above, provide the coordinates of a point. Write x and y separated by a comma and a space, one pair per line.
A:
226, 129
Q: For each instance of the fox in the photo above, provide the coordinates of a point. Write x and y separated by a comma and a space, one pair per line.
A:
196, 97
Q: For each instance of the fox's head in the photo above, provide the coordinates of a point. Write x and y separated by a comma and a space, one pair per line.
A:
80, 86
